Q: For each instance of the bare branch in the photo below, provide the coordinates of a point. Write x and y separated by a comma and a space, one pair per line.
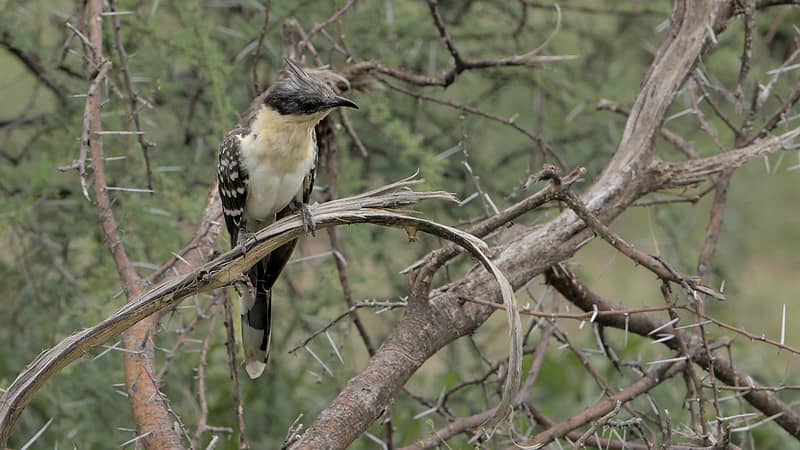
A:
652, 263
590, 10
150, 412
534, 137
133, 96
643, 324
230, 346
320, 26
747, 48
326, 142
777, 117
653, 379
461, 64
690, 172
256, 89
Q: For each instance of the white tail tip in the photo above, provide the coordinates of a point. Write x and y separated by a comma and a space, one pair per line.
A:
254, 368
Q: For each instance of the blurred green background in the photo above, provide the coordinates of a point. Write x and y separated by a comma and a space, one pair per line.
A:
192, 62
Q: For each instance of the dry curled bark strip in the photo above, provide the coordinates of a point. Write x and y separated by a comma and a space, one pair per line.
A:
371, 207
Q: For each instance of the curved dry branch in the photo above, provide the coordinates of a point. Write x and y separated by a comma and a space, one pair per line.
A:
371, 207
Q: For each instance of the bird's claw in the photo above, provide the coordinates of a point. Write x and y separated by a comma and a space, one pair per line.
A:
245, 238
243, 285
309, 225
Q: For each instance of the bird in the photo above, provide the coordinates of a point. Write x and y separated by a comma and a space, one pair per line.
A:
266, 171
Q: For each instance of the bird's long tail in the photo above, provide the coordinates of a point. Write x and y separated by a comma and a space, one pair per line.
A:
257, 320
257, 309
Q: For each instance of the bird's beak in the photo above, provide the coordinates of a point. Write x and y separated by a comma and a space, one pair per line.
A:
341, 101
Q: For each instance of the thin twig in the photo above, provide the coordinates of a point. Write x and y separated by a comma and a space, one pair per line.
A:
346, 313
133, 96
326, 141
478, 112
256, 87
230, 347
202, 422
316, 29
645, 384
747, 48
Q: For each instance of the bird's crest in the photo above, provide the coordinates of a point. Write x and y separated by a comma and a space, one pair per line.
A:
293, 70
303, 92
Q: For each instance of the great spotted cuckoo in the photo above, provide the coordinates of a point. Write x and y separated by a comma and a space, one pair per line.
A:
266, 171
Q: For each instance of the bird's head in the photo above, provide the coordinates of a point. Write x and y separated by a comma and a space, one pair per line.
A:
303, 95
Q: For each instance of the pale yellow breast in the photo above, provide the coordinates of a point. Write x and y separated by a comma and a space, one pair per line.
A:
285, 142
278, 153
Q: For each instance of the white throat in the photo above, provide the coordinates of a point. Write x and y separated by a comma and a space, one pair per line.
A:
278, 154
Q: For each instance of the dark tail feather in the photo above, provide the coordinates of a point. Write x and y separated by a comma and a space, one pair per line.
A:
256, 321
257, 312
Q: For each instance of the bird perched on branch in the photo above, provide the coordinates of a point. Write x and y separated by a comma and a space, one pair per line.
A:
266, 171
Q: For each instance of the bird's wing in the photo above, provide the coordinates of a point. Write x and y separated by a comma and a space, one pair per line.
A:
233, 179
256, 306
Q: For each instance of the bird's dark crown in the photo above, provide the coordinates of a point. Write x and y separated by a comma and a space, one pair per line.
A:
298, 92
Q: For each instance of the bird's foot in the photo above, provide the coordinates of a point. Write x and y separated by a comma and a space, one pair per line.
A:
245, 239
309, 225
243, 286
